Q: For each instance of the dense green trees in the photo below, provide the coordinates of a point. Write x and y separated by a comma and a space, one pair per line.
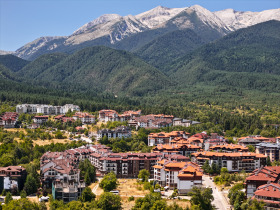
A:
30, 185
109, 201
8, 198
109, 182
236, 196
253, 204
201, 198
24, 204
144, 175
87, 171
87, 195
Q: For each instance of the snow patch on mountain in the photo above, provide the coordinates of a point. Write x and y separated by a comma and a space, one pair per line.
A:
236, 20
116, 29
158, 15
208, 17
35, 45
100, 20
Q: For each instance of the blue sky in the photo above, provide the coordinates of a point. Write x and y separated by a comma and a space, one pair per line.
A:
22, 21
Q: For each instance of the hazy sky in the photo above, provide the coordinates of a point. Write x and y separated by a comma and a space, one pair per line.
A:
22, 21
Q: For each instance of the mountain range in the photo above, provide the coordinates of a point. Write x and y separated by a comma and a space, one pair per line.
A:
133, 32
185, 54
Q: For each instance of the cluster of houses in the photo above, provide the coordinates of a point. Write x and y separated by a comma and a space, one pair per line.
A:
175, 160
59, 170
8, 119
135, 119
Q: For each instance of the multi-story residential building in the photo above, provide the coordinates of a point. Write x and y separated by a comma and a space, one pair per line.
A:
128, 165
229, 148
106, 115
40, 119
67, 191
63, 118
235, 161
153, 121
165, 138
180, 175
183, 149
249, 141
182, 122
46, 109
85, 117
270, 194
257, 137
8, 119
271, 150
119, 132
129, 115
214, 140
59, 171
261, 176
12, 177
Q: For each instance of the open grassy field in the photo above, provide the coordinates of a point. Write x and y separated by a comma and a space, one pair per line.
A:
16, 130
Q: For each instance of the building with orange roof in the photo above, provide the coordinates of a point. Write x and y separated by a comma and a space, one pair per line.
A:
8, 119
196, 141
234, 162
129, 115
229, 148
165, 138
214, 140
256, 137
270, 194
261, 176
180, 175
153, 121
183, 149
106, 115
85, 117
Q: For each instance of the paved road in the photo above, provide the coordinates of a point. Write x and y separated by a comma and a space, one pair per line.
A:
219, 200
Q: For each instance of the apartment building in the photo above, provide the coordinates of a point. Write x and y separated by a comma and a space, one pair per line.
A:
40, 119
59, 171
214, 140
182, 149
261, 176
106, 115
129, 115
165, 138
8, 119
180, 175
46, 109
270, 194
153, 121
229, 148
12, 177
119, 132
271, 150
85, 117
234, 162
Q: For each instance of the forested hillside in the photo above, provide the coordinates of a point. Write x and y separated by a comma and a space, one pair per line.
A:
240, 68
248, 58
12, 62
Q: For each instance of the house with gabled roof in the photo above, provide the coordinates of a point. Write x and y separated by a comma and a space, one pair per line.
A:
261, 176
